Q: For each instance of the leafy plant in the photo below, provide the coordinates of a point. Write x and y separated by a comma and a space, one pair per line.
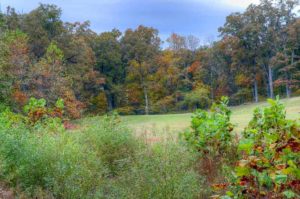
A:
40, 116
269, 156
211, 131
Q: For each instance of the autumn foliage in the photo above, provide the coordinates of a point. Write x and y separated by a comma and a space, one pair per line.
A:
43, 57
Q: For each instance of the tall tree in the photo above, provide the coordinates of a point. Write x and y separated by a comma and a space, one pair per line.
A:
42, 26
139, 48
107, 49
14, 64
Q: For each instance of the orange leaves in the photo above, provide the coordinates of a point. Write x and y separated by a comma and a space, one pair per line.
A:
242, 80
221, 186
72, 105
56, 112
19, 97
194, 67
37, 114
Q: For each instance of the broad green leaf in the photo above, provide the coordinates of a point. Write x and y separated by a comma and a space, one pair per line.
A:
246, 145
289, 194
242, 171
280, 179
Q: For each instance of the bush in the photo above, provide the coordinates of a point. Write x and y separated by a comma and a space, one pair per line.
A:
198, 98
8, 119
241, 96
126, 110
164, 105
112, 142
37, 111
211, 132
269, 156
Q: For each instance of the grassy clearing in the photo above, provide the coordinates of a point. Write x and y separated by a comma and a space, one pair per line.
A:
165, 126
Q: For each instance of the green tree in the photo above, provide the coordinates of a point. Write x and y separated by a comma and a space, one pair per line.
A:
42, 25
109, 63
14, 63
139, 48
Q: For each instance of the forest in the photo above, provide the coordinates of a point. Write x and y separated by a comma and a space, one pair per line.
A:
127, 115
256, 56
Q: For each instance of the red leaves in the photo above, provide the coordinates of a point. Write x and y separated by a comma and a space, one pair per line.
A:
270, 168
56, 112
295, 184
72, 105
293, 144
37, 114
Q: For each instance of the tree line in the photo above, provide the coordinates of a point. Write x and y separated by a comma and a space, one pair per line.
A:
256, 56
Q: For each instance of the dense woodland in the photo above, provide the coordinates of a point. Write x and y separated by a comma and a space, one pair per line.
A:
257, 56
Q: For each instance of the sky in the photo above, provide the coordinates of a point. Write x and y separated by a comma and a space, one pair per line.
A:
201, 18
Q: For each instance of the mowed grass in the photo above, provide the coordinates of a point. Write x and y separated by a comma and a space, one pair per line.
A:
167, 126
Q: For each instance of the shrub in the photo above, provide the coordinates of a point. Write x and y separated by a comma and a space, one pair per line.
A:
164, 105
73, 106
112, 142
42, 118
8, 119
100, 103
126, 110
241, 96
211, 132
37, 111
198, 98
269, 156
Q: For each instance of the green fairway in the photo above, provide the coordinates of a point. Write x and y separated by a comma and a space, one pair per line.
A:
162, 126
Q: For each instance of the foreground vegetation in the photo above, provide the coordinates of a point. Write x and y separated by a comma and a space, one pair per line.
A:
40, 158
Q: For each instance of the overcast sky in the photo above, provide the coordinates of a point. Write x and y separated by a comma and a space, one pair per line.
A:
198, 17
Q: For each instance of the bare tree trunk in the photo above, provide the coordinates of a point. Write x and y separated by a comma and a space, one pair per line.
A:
146, 100
288, 94
211, 85
109, 101
255, 91
287, 84
270, 82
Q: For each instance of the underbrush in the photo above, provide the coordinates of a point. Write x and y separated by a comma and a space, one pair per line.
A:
39, 159
162, 171
262, 163
55, 164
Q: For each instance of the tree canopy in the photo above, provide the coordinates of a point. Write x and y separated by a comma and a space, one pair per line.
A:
256, 56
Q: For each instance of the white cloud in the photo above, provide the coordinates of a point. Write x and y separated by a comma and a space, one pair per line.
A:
239, 3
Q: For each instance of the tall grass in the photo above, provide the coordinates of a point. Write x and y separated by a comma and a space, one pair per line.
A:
102, 161
56, 164
162, 171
